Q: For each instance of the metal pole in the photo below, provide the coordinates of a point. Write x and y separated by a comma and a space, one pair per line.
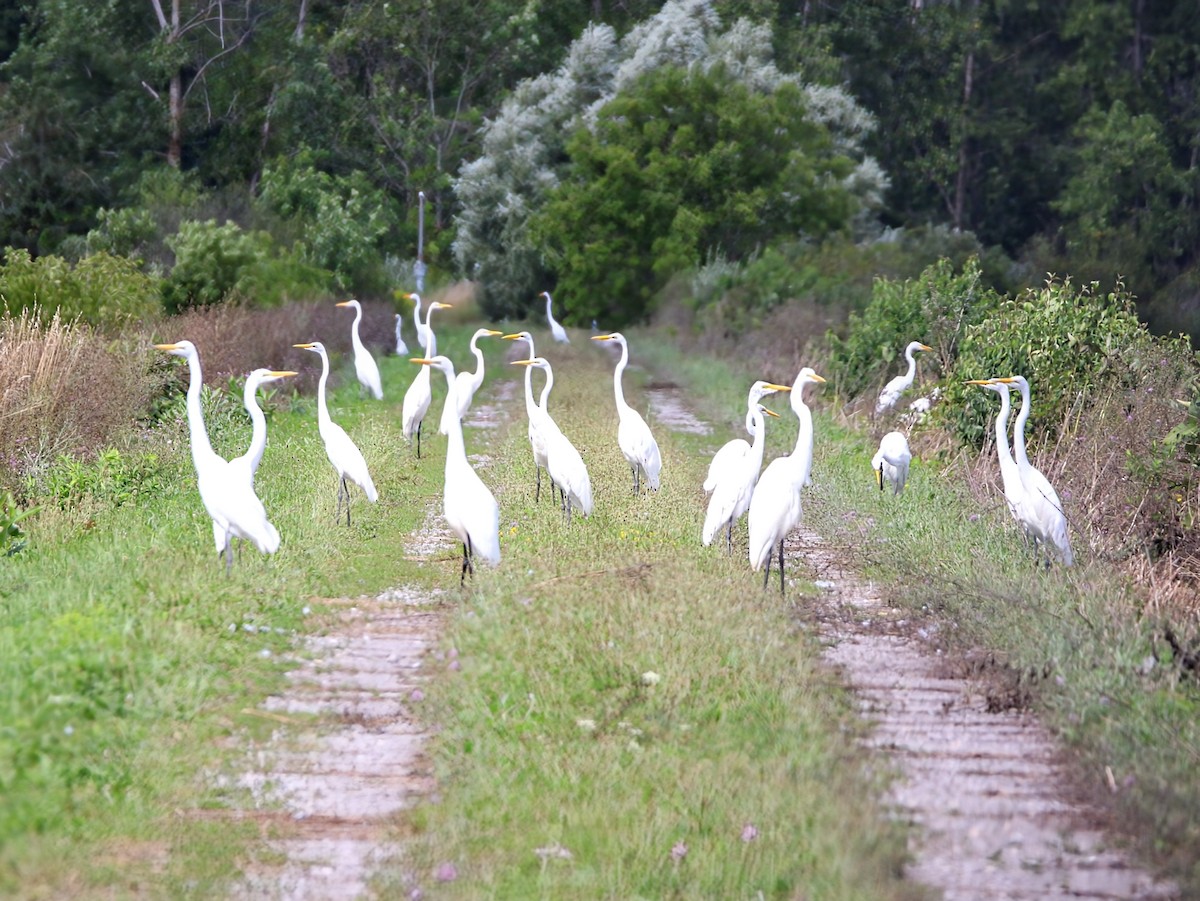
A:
419, 266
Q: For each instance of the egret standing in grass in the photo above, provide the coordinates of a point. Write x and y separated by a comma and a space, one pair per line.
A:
559, 333
401, 344
419, 395
736, 449
229, 499
422, 333
470, 508
466, 383
1010, 476
364, 363
343, 453
537, 439
891, 461
734, 484
563, 462
892, 390
1045, 509
775, 508
633, 435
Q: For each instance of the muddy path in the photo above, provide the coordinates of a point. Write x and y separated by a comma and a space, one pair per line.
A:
348, 756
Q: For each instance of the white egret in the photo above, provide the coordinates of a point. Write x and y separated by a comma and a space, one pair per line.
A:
559, 333
1045, 509
231, 502
420, 393
633, 435
901, 383
537, 441
734, 486
563, 462
245, 466
775, 508
891, 461
1010, 476
470, 508
364, 363
343, 453
401, 344
466, 383
422, 333
736, 449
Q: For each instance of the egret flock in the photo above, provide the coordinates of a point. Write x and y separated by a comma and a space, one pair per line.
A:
736, 482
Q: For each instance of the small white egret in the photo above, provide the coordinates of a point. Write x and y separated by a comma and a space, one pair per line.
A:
343, 453
469, 506
231, 502
633, 435
1010, 476
422, 333
734, 485
563, 462
559, 333
735, 450
466, 383
419, 395
1046, 509
901, 383
537, 441
364, 363
891, 461
401, 344
775, 508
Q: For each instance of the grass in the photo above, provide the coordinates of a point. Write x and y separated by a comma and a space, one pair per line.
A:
130, 660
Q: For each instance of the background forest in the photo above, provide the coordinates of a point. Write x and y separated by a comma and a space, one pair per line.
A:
185, 152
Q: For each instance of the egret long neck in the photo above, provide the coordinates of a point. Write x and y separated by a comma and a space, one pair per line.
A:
258, 434
912, 364
804, 443
456, 450
1002, 447
618, 391
322, 409
531, 409
201, 446
1019, 429
477, 378
355, 340
546, 389
758, 422
417, 324
430, 341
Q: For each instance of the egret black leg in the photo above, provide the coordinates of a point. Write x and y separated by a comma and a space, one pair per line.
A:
767, 574
729, 539
346, 489
881, 476
537, 497
337, 517
419, 424
781, 592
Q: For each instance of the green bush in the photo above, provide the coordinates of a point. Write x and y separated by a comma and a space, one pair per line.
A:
101, 289
936, 308
212, 263
1067, 341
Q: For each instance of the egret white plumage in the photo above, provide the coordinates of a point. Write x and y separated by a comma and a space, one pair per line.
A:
245, 466
467, 383
1045, 509
343, 453
1010, 476
229, 499
420, 393
537, 441
422, 333
891, 461
401, 344
892, 390
563, 462
469, 506
559, 333
364, 363
734, 485
633, 435
775, 508
736, 449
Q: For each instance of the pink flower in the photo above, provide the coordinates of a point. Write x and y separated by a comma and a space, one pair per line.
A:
417, 695
749, 832
679, 852
447, 872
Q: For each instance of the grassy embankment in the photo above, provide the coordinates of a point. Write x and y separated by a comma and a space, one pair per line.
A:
1082, 646
134, 666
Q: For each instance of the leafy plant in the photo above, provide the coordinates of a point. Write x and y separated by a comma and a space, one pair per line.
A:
101, 289
212, 263
12, 537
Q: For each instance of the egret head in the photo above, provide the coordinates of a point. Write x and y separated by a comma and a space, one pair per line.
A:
315, 346
615, 336
179, 348
438, 362
349, 303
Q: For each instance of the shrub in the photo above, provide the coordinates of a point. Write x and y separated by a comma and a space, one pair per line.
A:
101, 289
212, 263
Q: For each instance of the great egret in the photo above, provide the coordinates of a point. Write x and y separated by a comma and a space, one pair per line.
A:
231, 502
633, 435
466, 383
734, 486
566, 467
422, 333
891, 461
420, 393
735, 450
559, 333
364, 363
901, 383
343, 453
775, 508
1010, 476
470, 509
537, 440
245, 466
401, 345
1044, 506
